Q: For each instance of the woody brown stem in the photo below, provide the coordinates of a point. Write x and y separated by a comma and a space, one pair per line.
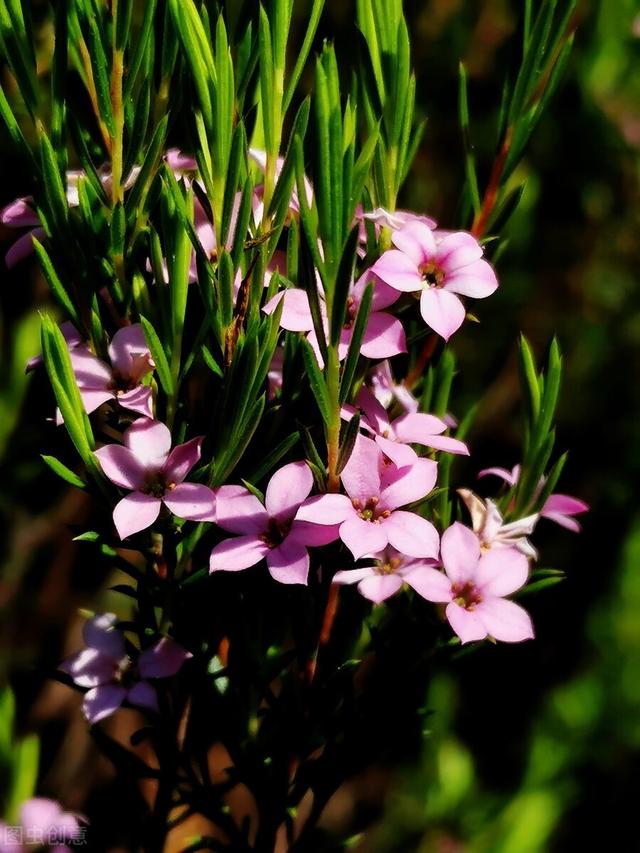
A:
493, 187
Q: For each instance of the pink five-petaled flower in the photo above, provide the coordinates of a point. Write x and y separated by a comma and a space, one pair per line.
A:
557, 507
387, 391
383, 336
488, 525
155, 474
441, 265
474, 585
109, 674
389, 571
121, 381
394, 438
273, 531
369, 517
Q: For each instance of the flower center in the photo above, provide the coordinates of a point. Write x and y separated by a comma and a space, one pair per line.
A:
388, 567
276, 532
121, 384
432, 274
467, 595
157, 486
370, 511
125, 673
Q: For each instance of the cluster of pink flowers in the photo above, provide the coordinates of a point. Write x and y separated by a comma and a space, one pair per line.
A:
106, 670
378, 515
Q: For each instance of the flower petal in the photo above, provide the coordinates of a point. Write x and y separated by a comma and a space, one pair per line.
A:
102, 701
143, 695
509, 477
442, 311
325, 509
504, 620
19, 214
466, 623
402, 486
22, 248
353, 575
128, 347
238, 511
162, 660
121, 466
296, 313
458, 249
411, 534
135, 512
429, 583
447, 444
182, 459
460, 550
402, 455
501, 571
398, 271
89, 668
373, 410
236, 554
138, 400
416, 240
193, 501
363, 537
100, 633
377, 588
361, 474
477, 280
287, 489
313, 535
91, 400
149, 441
416, 427
383, 337
289, 562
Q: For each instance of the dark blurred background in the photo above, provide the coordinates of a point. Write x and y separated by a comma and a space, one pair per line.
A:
528, 748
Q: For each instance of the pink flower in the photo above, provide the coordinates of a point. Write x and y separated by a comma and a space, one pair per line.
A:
386, 575
387, 391
273, 531
180, 164
558, 507
369, 517
394, 438
21, 212
489, 526
383, 336
111, 677
387, 219
155, 475
474, 586
440, 265
121, 381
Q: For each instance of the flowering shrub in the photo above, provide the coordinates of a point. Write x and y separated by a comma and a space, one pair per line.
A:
254, 343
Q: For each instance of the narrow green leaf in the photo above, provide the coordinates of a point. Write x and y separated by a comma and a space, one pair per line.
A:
55, 285
349, 439
353, 355
65, 473
271, 459
317, 382
158, 355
